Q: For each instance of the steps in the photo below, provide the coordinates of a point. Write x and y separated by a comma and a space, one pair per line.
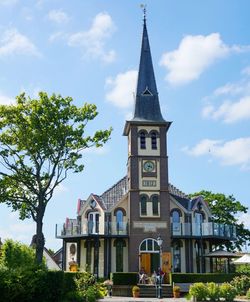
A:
149, 291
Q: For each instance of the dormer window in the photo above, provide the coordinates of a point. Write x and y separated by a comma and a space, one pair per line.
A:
147, 92
143, 140
153, 141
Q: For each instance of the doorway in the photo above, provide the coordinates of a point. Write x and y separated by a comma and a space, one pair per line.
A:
149, 256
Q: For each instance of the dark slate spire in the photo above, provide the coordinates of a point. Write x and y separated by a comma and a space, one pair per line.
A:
147, 107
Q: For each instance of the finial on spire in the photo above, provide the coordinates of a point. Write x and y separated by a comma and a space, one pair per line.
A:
144, 8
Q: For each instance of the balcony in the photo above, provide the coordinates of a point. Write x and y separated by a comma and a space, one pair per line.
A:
91, 228
205, 229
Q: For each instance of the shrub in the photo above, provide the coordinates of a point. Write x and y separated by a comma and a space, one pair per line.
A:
243, 269
241, 284
227, 291
213, 291
87, 287
18, 256
199, 291
248, 294
125, 278
196, 277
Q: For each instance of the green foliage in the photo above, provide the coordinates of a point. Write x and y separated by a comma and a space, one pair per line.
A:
199, 291
241, 284
226, 209
48, 286
243, 269
125, 278
213, 291
248, 294
17, 256
41, 141
228, 292
31, 285
196, 277
87, 287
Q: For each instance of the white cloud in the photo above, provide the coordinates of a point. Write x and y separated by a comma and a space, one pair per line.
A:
245, 219
59, 35
246, 71
58, 16
6, 100
60, 189
229, 112
12, 43
229, 103
234, 152
194, 55
18, 230
8, 2
232, 89
92, 41
122, 88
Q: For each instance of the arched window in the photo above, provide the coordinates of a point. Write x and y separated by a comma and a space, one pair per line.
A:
149, 245
88, 246
198, 220
175, 216
176, 225
143, 202
143, 140
93, 222
200, 248
177, 256
153, 141
119, 244
155, 205
119, 221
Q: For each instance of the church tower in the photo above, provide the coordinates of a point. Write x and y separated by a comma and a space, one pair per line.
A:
148, 194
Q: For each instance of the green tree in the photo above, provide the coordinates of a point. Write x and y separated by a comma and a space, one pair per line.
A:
226, 209
40, 142
16, 255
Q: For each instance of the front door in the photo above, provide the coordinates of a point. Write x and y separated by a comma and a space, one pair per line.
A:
150, 262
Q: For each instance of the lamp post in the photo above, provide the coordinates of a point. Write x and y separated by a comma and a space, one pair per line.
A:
159, 277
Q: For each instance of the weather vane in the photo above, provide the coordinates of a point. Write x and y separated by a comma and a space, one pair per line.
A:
144, 8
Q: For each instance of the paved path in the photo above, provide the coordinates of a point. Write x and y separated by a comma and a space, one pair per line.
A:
131, 299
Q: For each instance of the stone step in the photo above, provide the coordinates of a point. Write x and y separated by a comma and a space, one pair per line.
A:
150, 291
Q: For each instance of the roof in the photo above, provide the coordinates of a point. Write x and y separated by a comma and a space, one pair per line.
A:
120, 189
115, 193
147, 107
221, 254
245, 259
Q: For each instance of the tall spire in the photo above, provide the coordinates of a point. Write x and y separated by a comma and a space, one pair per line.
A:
147, 105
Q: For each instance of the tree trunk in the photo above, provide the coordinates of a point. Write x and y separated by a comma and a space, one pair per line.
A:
40, 242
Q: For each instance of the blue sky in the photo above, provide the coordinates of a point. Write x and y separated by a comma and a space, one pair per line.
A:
89, 50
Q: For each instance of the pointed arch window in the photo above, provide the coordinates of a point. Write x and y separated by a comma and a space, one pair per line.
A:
176, 221
120, 213
155, 205
154, 141
119, 244
143, 202
143, 140
177, 256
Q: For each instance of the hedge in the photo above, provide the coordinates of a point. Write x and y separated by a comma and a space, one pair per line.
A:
125, 278
36, 285
205, 277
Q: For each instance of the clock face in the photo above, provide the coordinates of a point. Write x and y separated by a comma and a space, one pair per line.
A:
148, 166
